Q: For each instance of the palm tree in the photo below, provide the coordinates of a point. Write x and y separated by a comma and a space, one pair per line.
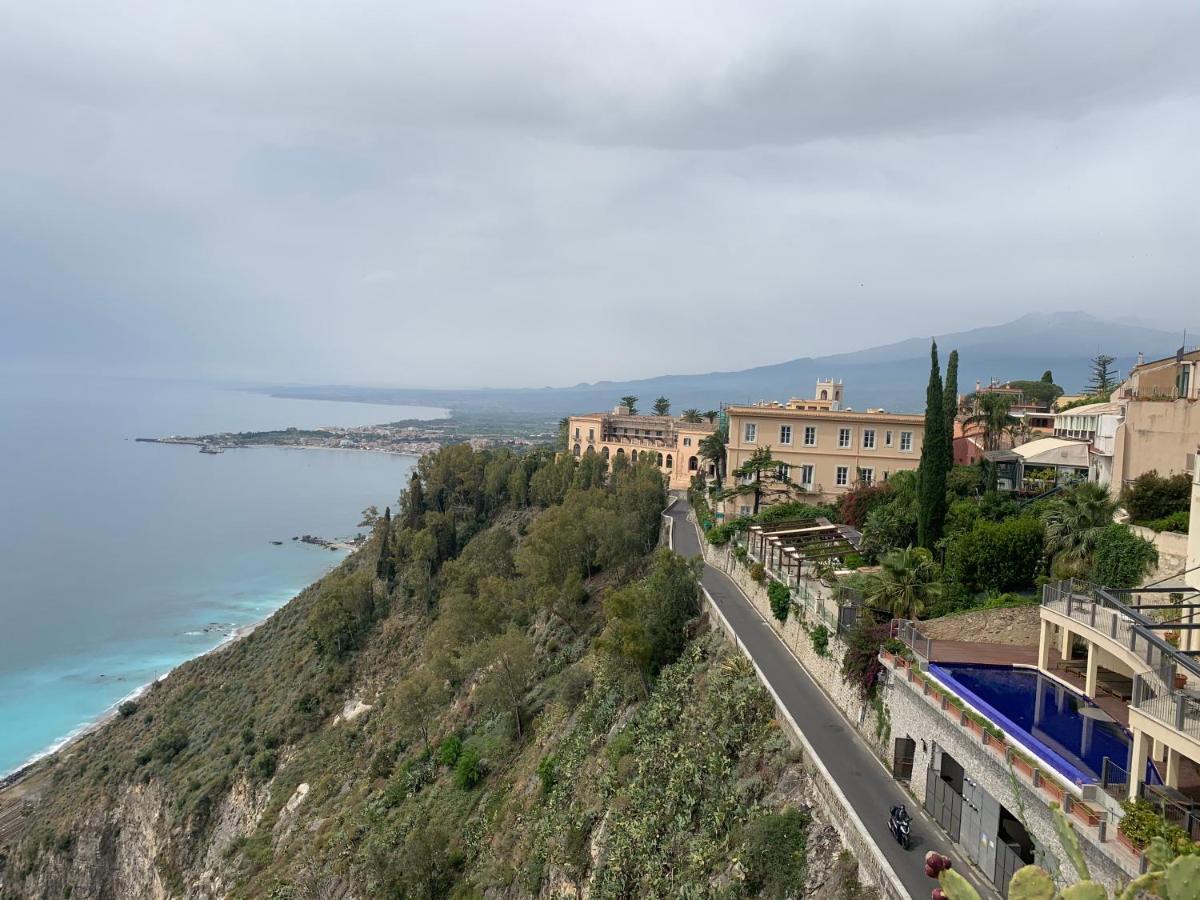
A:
712, 448
1074, 523
993, 416
907, 582
692, 415
711, 415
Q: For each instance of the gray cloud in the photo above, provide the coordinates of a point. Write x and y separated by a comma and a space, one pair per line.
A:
532, 193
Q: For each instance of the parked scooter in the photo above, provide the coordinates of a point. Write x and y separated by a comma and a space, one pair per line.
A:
900, 825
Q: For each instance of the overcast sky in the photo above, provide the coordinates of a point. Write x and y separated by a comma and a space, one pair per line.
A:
525, 193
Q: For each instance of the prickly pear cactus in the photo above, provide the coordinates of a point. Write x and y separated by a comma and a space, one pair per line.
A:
1182, 878
955, 887
1084, 890
1070, 841
1031, 883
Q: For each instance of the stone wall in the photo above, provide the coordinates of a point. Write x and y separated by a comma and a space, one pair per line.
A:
1172, 550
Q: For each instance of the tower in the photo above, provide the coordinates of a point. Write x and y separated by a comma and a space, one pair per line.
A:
829, 391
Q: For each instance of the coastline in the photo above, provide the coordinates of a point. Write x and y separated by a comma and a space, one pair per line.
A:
12, 779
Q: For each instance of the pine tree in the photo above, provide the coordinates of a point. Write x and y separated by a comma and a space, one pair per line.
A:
630, 402
1103, 379
951, 405
931, 475
662, 406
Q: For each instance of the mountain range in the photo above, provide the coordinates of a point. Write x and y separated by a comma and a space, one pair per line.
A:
892, 376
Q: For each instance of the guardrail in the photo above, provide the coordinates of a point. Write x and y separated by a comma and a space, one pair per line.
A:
907, 632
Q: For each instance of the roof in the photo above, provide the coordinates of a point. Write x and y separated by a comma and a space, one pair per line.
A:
1091, 409
657, 422
1054, 451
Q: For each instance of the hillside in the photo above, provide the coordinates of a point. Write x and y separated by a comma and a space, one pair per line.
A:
892, 376
507, 693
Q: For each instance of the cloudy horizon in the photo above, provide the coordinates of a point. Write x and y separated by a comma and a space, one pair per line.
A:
453, 195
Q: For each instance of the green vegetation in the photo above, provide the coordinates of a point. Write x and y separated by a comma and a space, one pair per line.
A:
907, 582
1102, 379
1151, 497
510, 627
819, 636
1122, 559
662, 407
773, 853
996, 556
780, 598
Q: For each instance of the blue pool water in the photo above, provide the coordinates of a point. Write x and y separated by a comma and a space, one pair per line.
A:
1042, 714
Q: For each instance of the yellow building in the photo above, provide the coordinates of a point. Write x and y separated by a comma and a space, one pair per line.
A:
673, 443
825, 448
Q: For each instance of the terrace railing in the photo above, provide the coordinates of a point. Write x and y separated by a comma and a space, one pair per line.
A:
1114, 779
1154, 691
910, 636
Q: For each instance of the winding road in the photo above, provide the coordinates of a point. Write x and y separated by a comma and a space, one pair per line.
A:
864, 781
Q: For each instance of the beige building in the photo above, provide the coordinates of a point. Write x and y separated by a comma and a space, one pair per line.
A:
825, 448
673, 444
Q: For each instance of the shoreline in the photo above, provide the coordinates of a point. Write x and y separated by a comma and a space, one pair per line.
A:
14, 777
412, 454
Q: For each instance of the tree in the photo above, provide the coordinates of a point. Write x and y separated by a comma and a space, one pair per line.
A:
426, 867
1048, 377
662, 407
996, 556
564, 434
416, 701
630, 402
992, 415
412, 503
1103, 379
1122, 559
370, 516
951, 405
712, 448
711, 415
931, 477
1151, 496
1074, 523
507, 676
763, 477
907, 582
692, 415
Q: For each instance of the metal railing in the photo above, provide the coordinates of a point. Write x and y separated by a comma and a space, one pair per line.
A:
1114, 779
906, 632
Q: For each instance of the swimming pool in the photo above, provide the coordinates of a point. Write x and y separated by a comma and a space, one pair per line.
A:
1042, 714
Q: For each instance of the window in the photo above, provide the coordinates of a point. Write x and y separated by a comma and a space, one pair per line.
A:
806, 476
906, 442
887, 439
751, 432
687, 442
743, 511
669, 461
868, 438
810, 435
785, 434
784, 471
866, 476
658, 434
843, 437
843, 476
576, 432
591, 434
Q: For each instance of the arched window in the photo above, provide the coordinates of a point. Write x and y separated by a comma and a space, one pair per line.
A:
824, 395
669, 461
693, 464
620, 451
575, 450
633, 456
660, 459
604, 453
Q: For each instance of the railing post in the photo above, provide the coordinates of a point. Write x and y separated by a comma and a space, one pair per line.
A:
1092, 614
1179, 712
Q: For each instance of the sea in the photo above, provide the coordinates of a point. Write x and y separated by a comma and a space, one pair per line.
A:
120, 560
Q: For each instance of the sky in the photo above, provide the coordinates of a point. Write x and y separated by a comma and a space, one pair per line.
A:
526, 193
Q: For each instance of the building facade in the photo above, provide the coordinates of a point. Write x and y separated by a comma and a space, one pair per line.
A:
673, 443
823, 448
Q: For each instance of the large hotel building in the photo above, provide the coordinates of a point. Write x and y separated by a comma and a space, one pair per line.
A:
673, 443
825, 448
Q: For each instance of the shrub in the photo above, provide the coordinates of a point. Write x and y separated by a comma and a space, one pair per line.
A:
996, 556
127, 709
781, 600
449, 750
795, 511
758, 573
1176, 521
854, 561
855, 506
773, 853
889, 528
262, 767
861, 666
468, 771
820, 640
547, 772
1121, 558
1151, 496
1142, 823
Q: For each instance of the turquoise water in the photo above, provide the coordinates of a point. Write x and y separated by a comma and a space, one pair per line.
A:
120, 560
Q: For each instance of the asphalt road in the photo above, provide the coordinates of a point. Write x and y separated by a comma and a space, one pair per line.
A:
866, 784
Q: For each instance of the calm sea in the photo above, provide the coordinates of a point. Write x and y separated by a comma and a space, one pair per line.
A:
120, 560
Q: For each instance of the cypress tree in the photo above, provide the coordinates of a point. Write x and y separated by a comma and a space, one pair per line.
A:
951, 404
385, 545
931, 475
413, 503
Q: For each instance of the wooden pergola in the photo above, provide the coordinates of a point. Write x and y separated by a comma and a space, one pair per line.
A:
784, 545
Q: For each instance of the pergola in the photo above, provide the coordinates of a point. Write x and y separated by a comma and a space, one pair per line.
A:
784, 545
